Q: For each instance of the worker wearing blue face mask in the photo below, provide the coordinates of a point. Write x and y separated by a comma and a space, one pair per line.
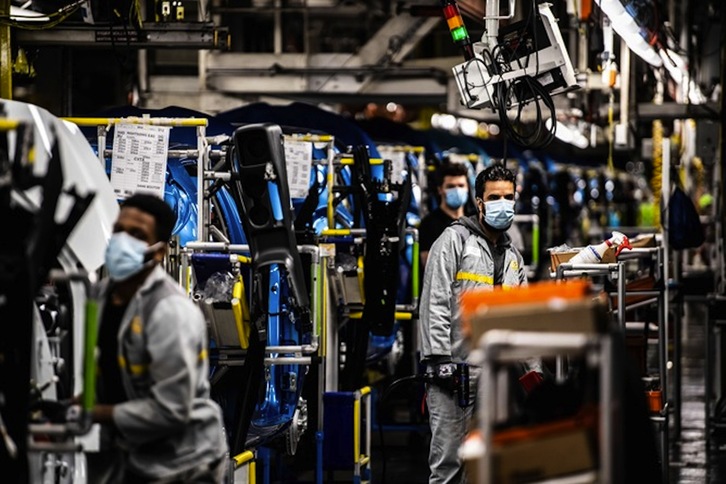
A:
475, 252
159, 422
453, 192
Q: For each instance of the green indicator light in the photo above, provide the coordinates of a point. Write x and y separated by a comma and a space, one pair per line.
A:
459, 33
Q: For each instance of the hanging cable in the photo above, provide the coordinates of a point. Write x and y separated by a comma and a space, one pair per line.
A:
521, 92
524, 91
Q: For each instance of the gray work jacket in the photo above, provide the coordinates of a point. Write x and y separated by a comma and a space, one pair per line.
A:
453, 266
169, 423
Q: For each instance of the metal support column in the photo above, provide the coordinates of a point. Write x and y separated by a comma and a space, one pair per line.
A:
6, 58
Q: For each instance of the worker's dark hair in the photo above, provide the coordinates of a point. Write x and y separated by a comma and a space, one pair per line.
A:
495, 172
452, 169
156, 207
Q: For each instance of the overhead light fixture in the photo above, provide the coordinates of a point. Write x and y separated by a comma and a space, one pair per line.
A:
569, 135
629, 30
468, 127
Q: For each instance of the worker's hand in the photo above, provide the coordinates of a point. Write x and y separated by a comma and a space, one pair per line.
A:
443, 375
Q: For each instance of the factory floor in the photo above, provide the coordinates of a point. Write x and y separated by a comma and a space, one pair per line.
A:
404, 453
691, 461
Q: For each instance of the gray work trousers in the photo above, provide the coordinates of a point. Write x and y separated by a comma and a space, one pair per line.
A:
449, 424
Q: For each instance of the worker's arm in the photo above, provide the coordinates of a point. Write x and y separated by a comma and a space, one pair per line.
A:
437, 296
175, 343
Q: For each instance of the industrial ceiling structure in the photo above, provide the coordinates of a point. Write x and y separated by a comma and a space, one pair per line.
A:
202, 53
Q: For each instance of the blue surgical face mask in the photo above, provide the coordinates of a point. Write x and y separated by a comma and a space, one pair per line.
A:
456, 196
126, 256
499, 214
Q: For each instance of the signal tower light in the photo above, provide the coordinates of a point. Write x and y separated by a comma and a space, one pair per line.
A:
457, 28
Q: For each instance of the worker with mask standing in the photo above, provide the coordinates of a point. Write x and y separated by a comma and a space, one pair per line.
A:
153, 390
473, 253
453, 193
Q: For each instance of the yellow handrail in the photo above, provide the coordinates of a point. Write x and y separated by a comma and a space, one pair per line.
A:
241, 312
243, 458
358, 458
8, 124
314, 138
398, 316
178, 122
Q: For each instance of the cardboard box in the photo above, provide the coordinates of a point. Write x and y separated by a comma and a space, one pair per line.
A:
644, 283
560, 257
640, 241
546, 457
643, 241
554, 316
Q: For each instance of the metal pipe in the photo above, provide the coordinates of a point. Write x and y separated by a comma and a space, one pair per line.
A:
313, 250
218, 175
637, 253
191, 154
278, 70
277, 33
415, 270
610, 410
665, 310
61, 447
202, 196
185, 275
142, 71
301, 349
101, 147
624, 83
218, 247
316, 285
49, 429
330, 182
288, 360
6, 54
331, 333
218, 234
621, 296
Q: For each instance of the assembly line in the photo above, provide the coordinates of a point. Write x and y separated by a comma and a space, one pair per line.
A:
340, 262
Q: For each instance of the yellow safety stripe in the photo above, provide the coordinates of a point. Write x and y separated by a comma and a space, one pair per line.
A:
136, 326
470, 276
135, 370
141, 368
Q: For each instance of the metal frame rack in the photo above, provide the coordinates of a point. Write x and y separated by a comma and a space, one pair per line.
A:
616, 272
282, 354
418, 151
308, 354
404, 312
501, 347
534, 220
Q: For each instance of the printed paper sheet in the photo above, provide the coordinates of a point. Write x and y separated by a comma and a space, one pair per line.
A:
298, 161
138, 161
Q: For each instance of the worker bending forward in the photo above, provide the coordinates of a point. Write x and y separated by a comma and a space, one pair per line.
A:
473, 253
153, 386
